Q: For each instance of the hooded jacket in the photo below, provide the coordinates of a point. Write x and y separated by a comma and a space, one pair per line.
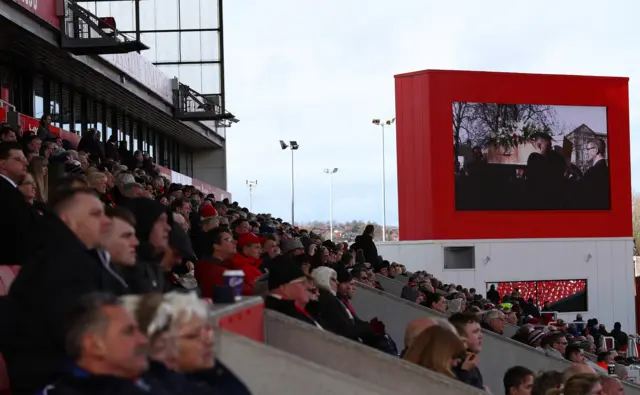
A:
146, 275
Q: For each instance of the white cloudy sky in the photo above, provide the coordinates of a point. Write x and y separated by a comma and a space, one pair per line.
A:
319, 71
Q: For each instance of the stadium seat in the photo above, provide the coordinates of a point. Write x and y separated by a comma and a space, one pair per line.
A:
4, 378
7, 275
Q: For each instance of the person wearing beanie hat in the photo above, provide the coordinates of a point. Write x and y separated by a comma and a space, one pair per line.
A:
292, 246
248, 260
535, 338
288, 290
153, 225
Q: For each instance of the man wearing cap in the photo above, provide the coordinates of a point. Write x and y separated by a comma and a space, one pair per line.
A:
288, 292
292, 247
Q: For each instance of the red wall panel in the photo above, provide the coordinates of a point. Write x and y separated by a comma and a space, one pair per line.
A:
426, 200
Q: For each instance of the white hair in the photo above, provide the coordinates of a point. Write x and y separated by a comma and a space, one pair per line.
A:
162, 317
322, 276
123, 179
185, 305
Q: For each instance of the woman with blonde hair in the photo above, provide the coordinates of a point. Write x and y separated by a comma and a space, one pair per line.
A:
38, 168
437, 349
580, 384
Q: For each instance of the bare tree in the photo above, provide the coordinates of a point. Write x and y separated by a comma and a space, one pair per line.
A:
460, 114
483, 120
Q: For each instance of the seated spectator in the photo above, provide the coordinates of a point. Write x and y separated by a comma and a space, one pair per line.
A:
546, 381
51, 281
413, 330
152, 231
436, 302
518, 380
611, 386
469, 330
288, 292
555, 344
580, 384
108, 352
248, 259
437, 349
535, 339
493, 321
576, 369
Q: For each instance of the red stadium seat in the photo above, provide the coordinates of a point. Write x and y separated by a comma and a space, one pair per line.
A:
7, 275
543, 291
4, 378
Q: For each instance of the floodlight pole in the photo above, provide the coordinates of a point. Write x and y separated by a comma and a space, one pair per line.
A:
292, 190
251, 185
382, 124
331, 172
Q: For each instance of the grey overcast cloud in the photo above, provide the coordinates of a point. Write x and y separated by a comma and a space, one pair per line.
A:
319, 71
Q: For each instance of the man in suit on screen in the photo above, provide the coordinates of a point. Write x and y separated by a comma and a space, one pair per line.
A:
594, 185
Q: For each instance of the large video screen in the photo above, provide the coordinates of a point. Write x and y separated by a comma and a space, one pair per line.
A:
530, 157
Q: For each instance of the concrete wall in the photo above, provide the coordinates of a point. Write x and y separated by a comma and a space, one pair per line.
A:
607, 264
499, 352
210, 166
356, 360
268, 371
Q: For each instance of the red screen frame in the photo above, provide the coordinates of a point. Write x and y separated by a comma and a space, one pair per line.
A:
426, 196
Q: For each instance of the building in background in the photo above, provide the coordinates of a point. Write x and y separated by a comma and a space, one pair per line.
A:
91, 65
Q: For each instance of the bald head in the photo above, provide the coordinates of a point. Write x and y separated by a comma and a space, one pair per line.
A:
575, 369
415, 328
611, 386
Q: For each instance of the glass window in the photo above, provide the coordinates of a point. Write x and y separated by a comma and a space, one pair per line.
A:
65, 108
167, 47
54, 103
99, 119
147, 15
92, 116
210, 79
38, 98
188, 10
78, 108
190, 47
134, 132
208, 14
149, 39
210, 48
167, 14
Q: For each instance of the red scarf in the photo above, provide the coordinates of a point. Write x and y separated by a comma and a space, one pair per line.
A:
303, 311
346, 302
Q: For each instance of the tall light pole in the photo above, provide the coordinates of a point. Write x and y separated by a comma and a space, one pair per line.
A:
293, 145
388, 122
251, 185
331, 172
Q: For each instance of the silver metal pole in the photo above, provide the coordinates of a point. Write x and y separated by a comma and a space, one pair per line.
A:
292, 190
250, 199
384, 195
331, 206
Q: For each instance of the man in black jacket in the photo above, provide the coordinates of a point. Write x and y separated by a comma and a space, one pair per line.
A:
288, 292
108, 351
50, 283
469, 330
14, 211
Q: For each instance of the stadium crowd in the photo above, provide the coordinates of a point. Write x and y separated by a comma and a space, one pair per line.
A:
117, 267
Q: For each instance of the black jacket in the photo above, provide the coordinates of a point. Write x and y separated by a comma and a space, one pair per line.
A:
369, 249
219, 380
104, 385
17, 220
287, 307
332, 315
145, 276
48, 285
175, 383
471, 377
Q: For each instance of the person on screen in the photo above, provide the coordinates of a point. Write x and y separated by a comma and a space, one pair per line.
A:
545, 175
594, 185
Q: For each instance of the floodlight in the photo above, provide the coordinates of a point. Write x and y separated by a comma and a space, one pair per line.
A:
283, 145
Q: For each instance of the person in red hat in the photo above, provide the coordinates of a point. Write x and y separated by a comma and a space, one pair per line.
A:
248, 258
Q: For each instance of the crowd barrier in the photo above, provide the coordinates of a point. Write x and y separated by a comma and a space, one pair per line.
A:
244, 317
356, 360
268, 371
499, 352
390, 285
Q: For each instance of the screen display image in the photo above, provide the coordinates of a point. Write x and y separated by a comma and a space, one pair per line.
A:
563, 296
530, 157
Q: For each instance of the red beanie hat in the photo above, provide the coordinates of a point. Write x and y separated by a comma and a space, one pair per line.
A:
208, 211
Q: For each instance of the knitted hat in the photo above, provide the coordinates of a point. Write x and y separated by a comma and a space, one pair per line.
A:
208, 211
534, 337
289, 245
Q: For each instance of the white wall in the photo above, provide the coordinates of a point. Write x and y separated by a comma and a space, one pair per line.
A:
607, 264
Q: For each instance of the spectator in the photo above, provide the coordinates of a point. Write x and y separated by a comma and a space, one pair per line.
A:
368, 247
493, 321
611, 386
52, 280
493, 295
120, 240
546, 381
436, 349
580, 384
288, 290
619, 336
248, 259
574, 354
555, 344
43, 129
518, 380
152, 231
39, 171
209, 271
436, 302
14, 211
469, 330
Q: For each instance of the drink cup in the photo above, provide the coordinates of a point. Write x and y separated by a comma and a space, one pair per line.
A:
234, 280
611, 369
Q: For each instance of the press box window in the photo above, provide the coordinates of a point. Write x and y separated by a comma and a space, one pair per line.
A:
459, 257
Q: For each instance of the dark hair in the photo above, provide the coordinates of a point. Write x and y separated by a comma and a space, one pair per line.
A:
368, 230
356, 272
4, 130
121, 213
552, 339
59, 201
215, 235
570, 350
6, 148
178, 203
514, 377
86, 316
237, 222
431, 298
546, 381
460, 321
601, 146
